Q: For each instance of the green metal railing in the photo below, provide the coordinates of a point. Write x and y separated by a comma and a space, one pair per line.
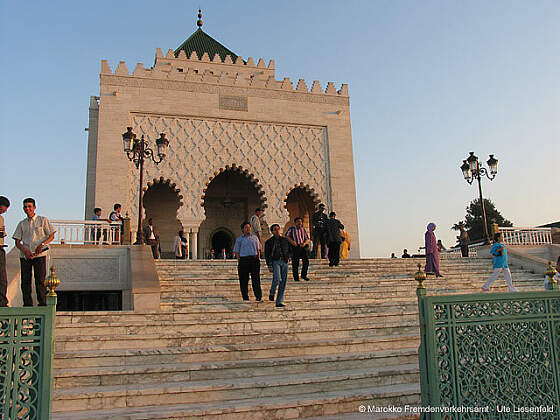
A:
26, 354
490, 355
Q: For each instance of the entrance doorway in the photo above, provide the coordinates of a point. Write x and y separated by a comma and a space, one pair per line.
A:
230, 198
300, 203
161, 202
221, 239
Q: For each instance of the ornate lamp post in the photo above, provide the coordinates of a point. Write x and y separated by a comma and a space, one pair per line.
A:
136, 151
472, 169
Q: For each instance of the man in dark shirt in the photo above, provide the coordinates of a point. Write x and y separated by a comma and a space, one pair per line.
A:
405, 254
334, 239
319, 221
277, 254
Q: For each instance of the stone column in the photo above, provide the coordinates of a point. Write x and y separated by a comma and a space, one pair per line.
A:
195, 245
188, 256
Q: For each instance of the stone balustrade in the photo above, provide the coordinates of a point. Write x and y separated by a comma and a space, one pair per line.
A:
86, 232
526, 235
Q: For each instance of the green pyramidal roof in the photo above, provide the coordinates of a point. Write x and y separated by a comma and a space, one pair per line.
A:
202, 43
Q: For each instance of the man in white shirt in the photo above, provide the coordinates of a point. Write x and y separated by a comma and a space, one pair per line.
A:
32, 236
115, 216
4, 204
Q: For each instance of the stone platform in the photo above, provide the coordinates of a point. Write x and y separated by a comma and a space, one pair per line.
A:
346, 338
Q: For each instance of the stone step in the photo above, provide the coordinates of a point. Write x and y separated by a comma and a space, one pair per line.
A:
174, 372
304, 300
231, 337
285, 407
314, 288
191, 392
325, 262
366, 279
352, 281
358, 268
234, 312
366, 276
395, 262
362, 272
147, 326
209, 353
344, 267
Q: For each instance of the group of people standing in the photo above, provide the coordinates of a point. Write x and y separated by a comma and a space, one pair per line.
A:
278, 250
329, 233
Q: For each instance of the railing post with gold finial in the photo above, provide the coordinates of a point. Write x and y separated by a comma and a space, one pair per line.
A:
51, 283
125, 236
551, 274
420, 277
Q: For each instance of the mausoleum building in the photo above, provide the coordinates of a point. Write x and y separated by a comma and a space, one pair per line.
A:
239, 138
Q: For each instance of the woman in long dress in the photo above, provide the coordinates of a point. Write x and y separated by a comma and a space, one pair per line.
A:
432, 254
345, 245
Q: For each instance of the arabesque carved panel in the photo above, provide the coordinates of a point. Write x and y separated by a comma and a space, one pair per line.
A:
279, 156
494, 352
20, 366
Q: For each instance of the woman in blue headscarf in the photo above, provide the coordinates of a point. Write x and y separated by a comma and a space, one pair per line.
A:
432, 253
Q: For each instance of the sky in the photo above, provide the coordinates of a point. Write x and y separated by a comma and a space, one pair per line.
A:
429, 81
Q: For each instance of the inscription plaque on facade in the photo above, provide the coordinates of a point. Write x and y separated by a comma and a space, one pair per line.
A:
234, 103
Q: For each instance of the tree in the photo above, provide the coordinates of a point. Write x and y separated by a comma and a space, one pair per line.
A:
474, 222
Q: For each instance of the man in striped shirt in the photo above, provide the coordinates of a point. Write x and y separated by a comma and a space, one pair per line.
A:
299, 239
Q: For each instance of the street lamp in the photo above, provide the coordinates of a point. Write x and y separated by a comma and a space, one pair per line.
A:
472, 169
136, 151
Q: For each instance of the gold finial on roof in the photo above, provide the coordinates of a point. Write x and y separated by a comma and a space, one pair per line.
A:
199, 21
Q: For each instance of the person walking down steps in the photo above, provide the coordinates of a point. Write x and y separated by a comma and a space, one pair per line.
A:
247, 250
299, 239
334, 239
500, 264
277, 254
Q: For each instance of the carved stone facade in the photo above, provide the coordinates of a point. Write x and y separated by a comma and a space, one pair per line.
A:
281, 156
221, 116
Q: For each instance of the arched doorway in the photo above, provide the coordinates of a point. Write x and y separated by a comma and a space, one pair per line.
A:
220, 239
231, 197
301, 202
161, 202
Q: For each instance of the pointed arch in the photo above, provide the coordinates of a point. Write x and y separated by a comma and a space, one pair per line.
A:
233, 168
161, 203
301, 201
229, 197
165, 181
304, 187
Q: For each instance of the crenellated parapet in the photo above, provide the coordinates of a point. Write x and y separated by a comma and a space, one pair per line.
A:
215, 71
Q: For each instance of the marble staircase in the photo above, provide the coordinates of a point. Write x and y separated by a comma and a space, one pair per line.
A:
346, 338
